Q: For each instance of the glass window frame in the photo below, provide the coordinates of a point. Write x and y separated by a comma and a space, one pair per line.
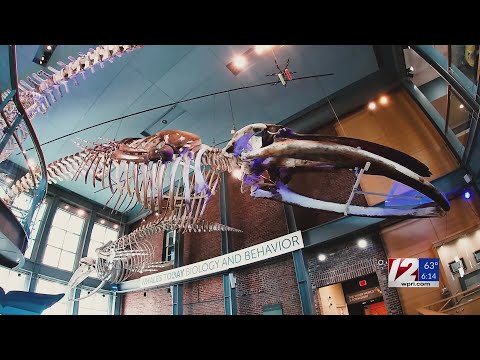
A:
61, 206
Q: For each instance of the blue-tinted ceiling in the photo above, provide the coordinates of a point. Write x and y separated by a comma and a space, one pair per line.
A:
160, 74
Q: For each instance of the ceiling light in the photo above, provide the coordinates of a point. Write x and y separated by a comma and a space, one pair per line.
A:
362, 243
43, 58
49, 47
80, 212
41, 62
67, 206
102, 221
461, 106
237, 173
322, 257
164, 121
372, 105
143, 220
156, 214
239, 61
383, 100
259, 49
467, 195
115, 226
411, 68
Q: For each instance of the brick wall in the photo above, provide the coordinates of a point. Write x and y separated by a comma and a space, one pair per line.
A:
345, 260
152, 302
267, 283
204, 297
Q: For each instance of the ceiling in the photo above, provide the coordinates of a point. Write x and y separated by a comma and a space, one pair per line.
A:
162, 74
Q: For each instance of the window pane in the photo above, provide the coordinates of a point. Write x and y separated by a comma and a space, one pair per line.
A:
12, 281
50, 287
97, 304
71, 242
464, 59
56, 237
101, 234
64, 235
92, 247
76, 224
51, 256
110, 235
98, 232
61, 219
67, 260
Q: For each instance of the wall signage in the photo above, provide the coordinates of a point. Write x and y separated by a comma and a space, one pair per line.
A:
252, 254
364, 295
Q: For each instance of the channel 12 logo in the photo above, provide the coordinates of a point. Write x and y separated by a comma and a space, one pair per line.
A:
412, 272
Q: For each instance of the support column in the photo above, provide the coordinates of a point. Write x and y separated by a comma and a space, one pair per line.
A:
301, 273
177, 290
229, 292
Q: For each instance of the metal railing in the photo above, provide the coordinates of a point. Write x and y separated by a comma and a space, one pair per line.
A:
463, 303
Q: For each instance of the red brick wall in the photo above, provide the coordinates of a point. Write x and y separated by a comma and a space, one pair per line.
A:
156, 302
204, 297
266, 283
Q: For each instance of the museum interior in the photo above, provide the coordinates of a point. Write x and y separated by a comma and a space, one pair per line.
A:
239, 180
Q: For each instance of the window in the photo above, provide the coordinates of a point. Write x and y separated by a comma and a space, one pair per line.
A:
170, 238
102, 233
37, 219
63, 307
454, 265
63, 239
275, 309
13, 281
97, 304
476, 254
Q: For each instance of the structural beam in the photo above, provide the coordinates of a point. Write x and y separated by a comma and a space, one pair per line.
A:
177, 290
229, 292
301, 273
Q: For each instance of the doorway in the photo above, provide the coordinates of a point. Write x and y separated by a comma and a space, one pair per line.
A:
358, 296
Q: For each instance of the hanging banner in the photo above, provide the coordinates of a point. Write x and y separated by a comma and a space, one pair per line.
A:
250, 255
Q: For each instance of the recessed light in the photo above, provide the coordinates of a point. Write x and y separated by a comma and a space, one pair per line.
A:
164, 121
411, 68
80, 212
372, 105
67, 206
461, 106
41, 62
102, 221
362, 243
43, 58
115, 226
49, 47
383, 100
322, 257
239, 61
